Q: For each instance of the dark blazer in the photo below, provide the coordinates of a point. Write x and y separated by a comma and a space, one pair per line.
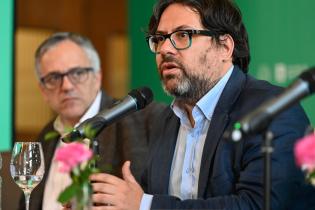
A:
231, 174
125, 140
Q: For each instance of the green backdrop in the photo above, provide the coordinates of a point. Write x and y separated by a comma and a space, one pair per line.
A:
6, 73
281, 37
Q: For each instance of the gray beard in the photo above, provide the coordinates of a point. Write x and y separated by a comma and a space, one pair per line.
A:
190, 89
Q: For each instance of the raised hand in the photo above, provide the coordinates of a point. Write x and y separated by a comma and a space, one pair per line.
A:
111, 192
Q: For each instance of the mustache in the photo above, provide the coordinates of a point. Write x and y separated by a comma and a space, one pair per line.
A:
172, 59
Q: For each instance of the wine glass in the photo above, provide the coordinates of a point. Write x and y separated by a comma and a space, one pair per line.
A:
27, 166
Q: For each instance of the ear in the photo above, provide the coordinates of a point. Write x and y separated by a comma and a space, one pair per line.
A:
227, 46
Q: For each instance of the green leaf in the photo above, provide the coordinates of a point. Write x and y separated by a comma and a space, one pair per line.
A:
76, 171
84, 175
311, 175
51, 135
68, 129
87, 172
89, 132
69, 193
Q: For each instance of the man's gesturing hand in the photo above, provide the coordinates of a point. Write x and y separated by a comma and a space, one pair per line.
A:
111, 192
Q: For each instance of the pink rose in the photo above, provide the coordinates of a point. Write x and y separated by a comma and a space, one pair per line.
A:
71, 155
304, 151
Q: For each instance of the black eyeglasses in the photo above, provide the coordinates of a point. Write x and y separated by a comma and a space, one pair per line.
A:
75, 75
180, 39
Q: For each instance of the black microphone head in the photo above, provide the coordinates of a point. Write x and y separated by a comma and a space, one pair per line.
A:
143, 96
309, 76
74, 135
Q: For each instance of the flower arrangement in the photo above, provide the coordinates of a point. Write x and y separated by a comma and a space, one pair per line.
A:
76, 158
304, 151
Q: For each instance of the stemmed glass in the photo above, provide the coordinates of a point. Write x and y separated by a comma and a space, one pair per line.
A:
27, 166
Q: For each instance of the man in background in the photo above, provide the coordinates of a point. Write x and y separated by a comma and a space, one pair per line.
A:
202, 55
69, 73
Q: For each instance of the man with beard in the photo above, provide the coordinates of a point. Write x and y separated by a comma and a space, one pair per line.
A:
202, 56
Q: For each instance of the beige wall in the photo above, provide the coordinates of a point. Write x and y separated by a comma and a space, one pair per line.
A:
31, 112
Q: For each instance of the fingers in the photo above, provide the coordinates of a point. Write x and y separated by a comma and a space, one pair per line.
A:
105, 178
107, 189
103, 188
123, 193
127, 175
66, 206
108, 207
117, 200
104, 199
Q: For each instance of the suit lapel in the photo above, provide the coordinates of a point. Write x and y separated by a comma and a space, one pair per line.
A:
49, 147
162, 162
218, 124
106, 101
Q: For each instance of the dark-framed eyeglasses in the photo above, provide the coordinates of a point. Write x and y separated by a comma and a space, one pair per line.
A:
180, 39
76, 75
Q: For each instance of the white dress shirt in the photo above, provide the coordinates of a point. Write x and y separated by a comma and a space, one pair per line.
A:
57, 181
185, 170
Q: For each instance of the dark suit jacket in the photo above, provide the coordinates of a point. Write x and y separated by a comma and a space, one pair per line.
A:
125, 140
231, 175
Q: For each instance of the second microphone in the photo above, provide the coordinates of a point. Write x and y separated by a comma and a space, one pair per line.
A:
135, 100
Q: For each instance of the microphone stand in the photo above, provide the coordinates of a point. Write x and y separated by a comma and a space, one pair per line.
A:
267, 150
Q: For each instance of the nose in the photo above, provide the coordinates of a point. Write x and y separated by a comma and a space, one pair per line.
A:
167, 47
66, 83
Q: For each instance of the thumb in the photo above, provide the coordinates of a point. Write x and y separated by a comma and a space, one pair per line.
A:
127, 175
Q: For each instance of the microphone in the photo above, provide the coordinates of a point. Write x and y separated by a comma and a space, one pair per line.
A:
259, 119
135, 100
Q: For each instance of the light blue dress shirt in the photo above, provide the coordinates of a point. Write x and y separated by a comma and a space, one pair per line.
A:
186, 162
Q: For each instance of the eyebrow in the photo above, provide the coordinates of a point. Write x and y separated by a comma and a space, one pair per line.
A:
67, 70
182, 27
60, 72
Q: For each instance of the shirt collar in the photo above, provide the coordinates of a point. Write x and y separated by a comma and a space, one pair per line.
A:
208, 102
91, 112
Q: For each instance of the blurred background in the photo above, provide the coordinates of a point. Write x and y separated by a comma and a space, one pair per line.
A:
281, 37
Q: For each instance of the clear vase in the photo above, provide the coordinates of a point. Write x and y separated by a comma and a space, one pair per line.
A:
83, 200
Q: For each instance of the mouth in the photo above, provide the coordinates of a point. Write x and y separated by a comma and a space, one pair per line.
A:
69, 99
169, 69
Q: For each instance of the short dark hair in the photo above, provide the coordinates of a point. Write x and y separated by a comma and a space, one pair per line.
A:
220, 17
